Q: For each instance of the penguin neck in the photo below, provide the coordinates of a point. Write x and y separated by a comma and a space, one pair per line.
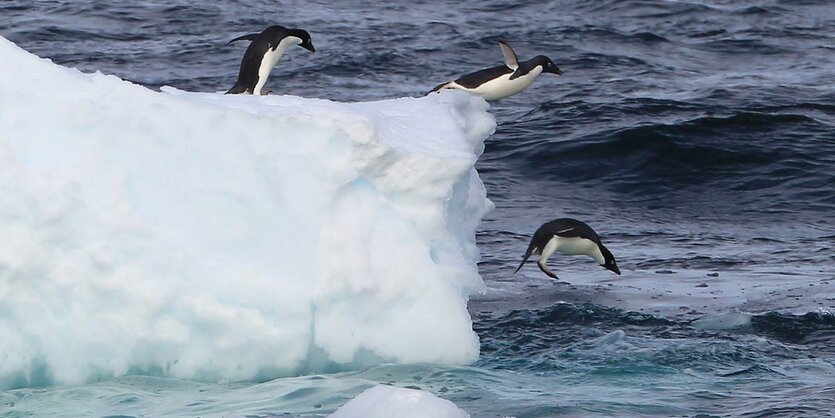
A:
270, 59
285, 43
597, 255
535, 72
526, 77
531, 68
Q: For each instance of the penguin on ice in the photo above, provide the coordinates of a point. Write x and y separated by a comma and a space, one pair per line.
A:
263, 53
567, 236
504, 80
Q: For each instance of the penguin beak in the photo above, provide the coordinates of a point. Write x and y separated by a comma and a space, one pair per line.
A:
309, 46
612, 267
556, 71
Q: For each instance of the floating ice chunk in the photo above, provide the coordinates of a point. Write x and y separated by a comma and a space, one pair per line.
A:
723, 322
613, 341
389, 401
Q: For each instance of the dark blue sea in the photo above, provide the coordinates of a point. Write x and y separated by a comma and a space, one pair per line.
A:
696, 137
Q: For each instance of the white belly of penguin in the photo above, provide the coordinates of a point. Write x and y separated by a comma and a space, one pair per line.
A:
501, 87
573, 246
270, 60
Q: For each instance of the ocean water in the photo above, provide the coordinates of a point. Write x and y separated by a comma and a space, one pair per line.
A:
697, 138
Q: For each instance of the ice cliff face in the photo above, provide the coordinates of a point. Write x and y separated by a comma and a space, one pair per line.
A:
237, 237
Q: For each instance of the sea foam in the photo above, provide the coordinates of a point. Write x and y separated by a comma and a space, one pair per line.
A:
198, 235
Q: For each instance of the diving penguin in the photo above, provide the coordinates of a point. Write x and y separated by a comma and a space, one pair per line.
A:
504, 80
567, 236
263, 53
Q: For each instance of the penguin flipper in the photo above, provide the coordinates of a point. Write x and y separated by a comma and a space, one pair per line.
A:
528, 252
509, 56
250, 37
522, 263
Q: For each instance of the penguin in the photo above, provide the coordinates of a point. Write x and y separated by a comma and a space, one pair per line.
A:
567, 236
505, 80
263, 53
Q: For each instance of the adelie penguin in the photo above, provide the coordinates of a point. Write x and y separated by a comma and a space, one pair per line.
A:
263, 53
567, 236
504, 80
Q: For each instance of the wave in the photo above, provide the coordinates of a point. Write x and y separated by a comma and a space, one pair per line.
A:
743, 152
816, 327
562, 335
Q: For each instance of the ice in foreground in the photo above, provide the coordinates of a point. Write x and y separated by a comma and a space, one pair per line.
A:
388, 401
234, 237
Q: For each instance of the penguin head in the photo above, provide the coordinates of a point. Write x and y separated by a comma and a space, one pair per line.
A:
609, 262
302, 34
548, 66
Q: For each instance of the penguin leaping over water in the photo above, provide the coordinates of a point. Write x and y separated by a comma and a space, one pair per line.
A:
567, 236
505, 80
263, 53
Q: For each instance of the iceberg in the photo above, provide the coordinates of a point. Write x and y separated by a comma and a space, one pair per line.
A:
203, 236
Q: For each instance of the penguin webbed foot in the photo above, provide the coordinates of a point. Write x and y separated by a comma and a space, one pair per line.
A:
547, 271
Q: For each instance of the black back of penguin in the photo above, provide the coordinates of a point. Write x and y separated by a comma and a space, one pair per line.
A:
567, 228
480, 77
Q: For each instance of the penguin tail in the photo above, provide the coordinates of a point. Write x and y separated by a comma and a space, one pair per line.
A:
249, 37
237, 89
439, 87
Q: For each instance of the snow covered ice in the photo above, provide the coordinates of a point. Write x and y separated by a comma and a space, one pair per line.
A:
230, 237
